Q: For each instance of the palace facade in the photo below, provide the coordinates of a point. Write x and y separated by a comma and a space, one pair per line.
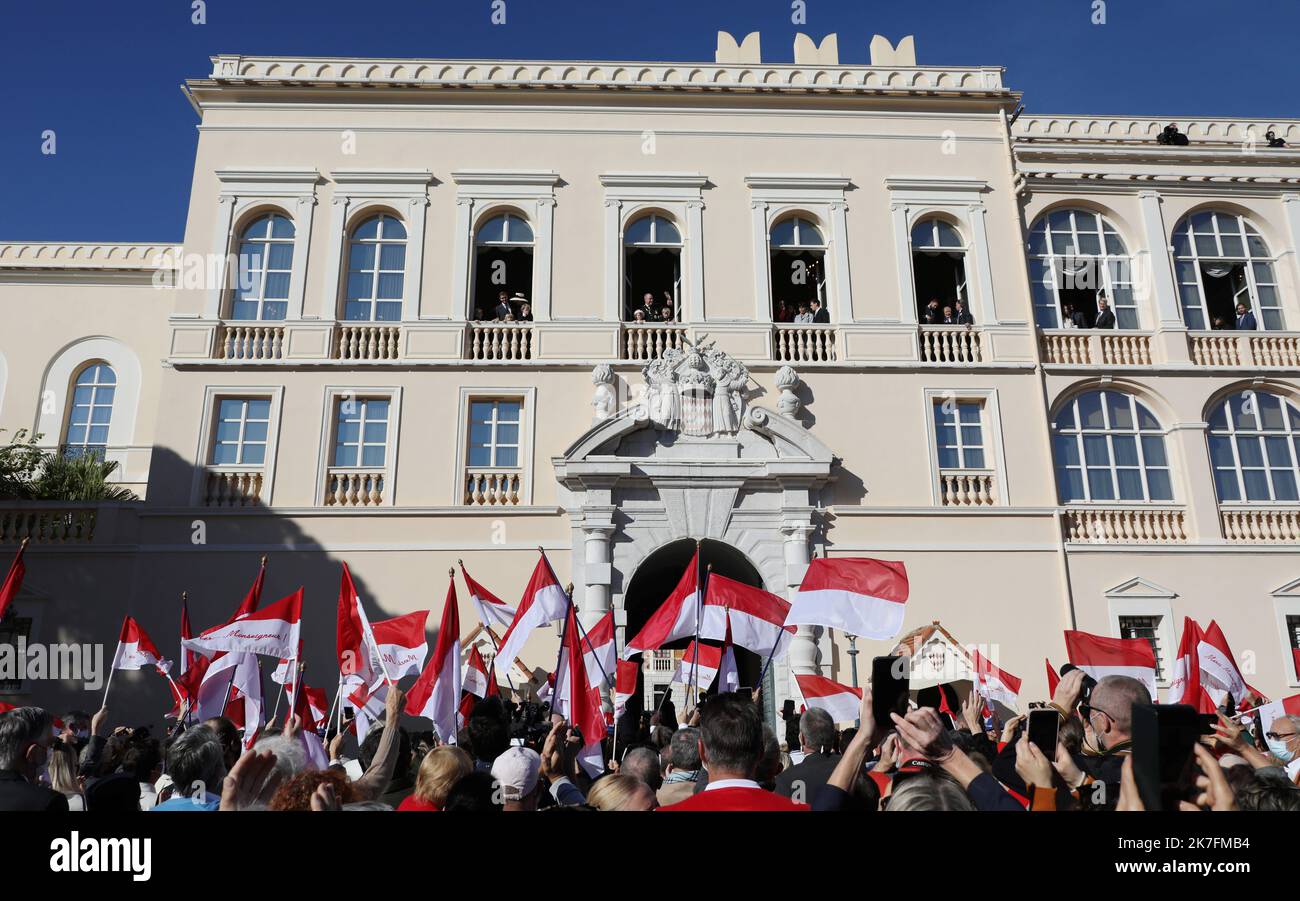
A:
438, 310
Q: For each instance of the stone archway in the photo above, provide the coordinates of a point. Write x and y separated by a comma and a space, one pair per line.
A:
752, 479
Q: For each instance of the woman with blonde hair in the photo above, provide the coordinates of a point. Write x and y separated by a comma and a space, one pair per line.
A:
621, 792
440, 770
63, 775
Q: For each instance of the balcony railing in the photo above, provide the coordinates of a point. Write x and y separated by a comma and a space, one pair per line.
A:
1275, 350
1125, 348
48, 524
967, 488
486, 487
803, 343
366, 342
1125, 525
1260, 525
352, 487
250, 342
1215, 348
227, 487
1264, 349
951, 344
648, 340
500, 341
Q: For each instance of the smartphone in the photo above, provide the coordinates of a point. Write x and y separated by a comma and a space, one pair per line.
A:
1043, 725
889, 689
1163, 761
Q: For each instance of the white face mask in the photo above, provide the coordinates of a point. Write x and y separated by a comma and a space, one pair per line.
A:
1278, 748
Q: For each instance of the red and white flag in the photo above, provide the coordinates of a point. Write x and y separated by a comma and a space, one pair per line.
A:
286, 670
699, 665
678, 616
358, 653
624, 685
436, 694
842, 702
544, 601
1271, 711
728, 672
598, 651
136, 650
1185, 686
993, 684
856, 595
757, 616
273, 631
13, 579
1295, 661
475, 679
1053, 679
1099, 656
188, 658
578, 700
244, 708
1219, 669
214, 675
491, 609
402, 643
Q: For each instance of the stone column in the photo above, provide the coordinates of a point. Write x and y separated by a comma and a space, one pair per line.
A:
803, 649
594, 602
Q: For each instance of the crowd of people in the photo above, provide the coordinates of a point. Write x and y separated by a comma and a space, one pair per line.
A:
802, 313
518, 756
506, 309
955, 313
652, 310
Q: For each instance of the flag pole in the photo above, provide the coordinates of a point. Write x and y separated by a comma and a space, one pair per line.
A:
496, 645
699, 597
564, 631
599, 665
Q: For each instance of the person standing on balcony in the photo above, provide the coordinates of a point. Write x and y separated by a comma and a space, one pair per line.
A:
949, 317
820, 314
503, 308
1245, 319
648, 309
525, 312
963, 315
932, 314
783, 312
667, 314
803, 317
1105, 317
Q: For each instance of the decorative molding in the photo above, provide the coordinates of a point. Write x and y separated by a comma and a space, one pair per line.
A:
1139, 587
89, 255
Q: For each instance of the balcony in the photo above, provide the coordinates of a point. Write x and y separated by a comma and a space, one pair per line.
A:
238, 341
1260, 525
645, 341
354, 487
951, 344
1125, 525
493, 487
1253, 349
46, 522
366, 342
499, 341
225, 486
803, 343
967, 487
1074, 347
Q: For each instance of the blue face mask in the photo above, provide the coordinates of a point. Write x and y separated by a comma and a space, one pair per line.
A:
1277, 747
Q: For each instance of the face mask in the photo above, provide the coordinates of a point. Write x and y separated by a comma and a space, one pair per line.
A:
1277, 747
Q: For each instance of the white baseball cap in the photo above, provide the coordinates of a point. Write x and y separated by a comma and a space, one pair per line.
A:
517, 771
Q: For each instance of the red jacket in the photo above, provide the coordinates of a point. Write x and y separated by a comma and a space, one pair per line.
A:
738, 798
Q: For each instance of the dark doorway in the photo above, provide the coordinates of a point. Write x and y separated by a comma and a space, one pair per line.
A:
654, 271
798, 277
939, 276
659, 574
498, 269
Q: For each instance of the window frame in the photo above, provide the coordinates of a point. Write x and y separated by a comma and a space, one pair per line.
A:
86, 446
379, 243
1286, 604
991, 428
212, 396
333, 395
1109, 431
1140, 598
239, 239
527, 397
1290, 434
1103, 263
1248, 261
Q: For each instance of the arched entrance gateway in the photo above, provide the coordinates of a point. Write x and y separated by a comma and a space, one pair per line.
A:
692, 460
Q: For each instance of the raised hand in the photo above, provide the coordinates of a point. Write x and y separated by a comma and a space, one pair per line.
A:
251, 781
1032, 765
1069, 691
923, 732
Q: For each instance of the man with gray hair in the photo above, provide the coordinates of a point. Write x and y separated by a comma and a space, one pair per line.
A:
643, 763
684, 771
26, 734
196, 763
817, 741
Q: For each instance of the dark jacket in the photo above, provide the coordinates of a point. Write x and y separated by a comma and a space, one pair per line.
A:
822, 315
17, 794
964, 317
808, 776
1246, 322
1105, 320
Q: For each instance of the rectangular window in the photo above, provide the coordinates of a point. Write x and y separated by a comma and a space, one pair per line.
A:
959, 434
361, 432
494, 432
240, 436
1293, 636
1148, 629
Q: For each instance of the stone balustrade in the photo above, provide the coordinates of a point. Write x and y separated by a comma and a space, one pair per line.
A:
251, 341
367, 342
951, 344
644, 341
1215, 348
1275, 349
500, 341
803, 343
46, 523
1260, 525
353, 487
1119, 348
232, 487
967, 488
1125, 525
493, 487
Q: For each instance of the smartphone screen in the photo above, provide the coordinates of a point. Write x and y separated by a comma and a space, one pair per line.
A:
889, 688
1043, 725
1163, 738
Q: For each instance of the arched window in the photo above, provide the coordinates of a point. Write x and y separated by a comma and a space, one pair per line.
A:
652, 269
798, 268
1109, 447
376, 271
1255, 448
939, 272
1221, 261
265, 262
91, 411
1077, 260
503, 265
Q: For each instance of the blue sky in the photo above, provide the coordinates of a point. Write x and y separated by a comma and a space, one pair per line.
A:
105, 76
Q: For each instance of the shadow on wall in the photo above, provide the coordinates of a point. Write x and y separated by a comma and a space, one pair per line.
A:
143, 555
